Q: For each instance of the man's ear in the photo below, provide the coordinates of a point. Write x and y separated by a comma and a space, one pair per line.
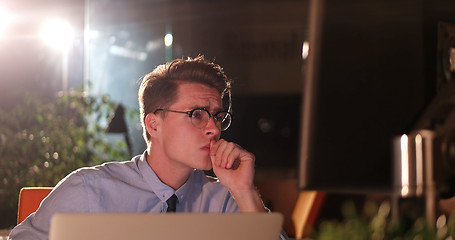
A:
151, 123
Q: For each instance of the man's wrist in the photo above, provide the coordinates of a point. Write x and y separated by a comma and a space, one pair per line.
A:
248, 200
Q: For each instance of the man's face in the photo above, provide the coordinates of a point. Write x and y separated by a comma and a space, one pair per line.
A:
184, 144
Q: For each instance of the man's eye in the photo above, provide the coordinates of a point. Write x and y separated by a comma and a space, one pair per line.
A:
222, 116
197, 114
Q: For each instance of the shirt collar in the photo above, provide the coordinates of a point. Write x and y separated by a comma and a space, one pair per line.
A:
162, 191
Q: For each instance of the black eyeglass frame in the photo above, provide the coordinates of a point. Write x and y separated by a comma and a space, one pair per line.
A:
190, 114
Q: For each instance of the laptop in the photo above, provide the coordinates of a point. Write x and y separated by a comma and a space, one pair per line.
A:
172, 226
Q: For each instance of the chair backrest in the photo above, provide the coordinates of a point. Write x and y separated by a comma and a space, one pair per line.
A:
29, 200
306, 211
300, 208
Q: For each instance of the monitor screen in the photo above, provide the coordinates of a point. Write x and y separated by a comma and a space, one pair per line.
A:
365, 83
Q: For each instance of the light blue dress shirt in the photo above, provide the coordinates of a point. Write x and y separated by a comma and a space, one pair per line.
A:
118, 187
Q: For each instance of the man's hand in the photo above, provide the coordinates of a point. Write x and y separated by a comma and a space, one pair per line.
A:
234, 167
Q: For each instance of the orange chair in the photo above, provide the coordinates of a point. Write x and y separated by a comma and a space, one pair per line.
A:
29, 200
300, 208
306, 212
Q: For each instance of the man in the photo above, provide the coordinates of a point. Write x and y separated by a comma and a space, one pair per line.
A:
182, 118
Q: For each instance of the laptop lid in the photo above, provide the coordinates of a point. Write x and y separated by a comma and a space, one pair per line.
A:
187, 226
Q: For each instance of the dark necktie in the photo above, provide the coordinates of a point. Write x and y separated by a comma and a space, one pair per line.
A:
171, 203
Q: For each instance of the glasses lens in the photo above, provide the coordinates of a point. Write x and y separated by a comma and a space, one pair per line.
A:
224, 119
199, 118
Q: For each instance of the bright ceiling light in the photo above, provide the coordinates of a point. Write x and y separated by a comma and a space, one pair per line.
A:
57, 33
5, 20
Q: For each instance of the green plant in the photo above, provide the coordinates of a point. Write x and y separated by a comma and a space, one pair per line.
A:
376, 224
41, 141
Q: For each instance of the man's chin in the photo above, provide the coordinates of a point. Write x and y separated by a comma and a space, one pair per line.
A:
205, 167
208, 168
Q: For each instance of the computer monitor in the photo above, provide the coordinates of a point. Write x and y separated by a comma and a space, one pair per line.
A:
370, 74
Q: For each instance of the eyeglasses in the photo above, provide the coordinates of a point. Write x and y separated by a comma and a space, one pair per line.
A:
200, 117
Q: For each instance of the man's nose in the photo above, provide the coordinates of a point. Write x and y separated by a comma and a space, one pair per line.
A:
212, 128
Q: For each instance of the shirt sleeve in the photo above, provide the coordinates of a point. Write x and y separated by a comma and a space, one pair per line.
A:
230, 206
68, 195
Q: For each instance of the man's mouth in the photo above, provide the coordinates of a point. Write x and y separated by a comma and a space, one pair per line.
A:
206, 147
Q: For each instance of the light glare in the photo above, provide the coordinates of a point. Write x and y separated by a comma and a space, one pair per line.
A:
168, 39
404, 165
58, 34
305, 50
419, 164
5, 20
